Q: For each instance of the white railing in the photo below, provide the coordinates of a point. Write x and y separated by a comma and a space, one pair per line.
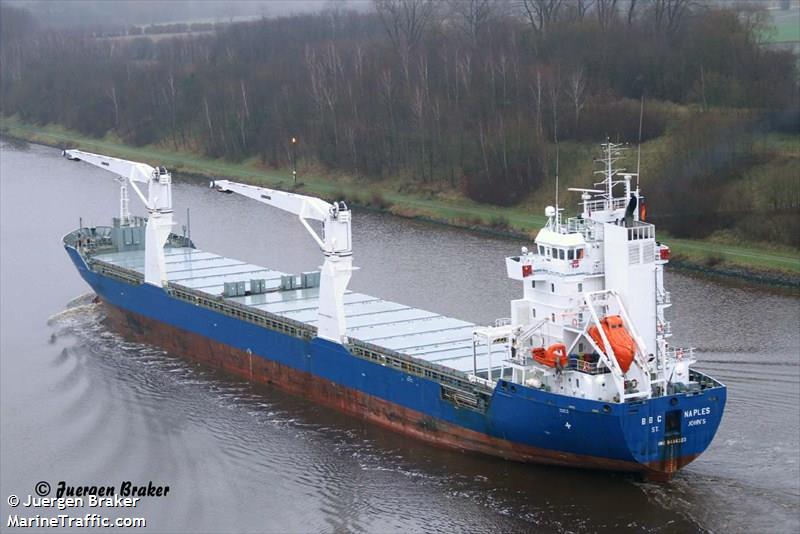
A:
604, 204
663, 328
503, 321
591, 368
664, 297
641, 231
680, 353
575, 225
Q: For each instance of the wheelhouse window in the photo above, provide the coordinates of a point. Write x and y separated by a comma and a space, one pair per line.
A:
571, 254
561, 253
579, 254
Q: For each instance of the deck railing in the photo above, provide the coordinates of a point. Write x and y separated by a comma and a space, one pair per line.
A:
585, 366
641, 230
604, 204
458, 381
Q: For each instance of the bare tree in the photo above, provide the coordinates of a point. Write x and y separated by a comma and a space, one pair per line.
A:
577, 9
577, 93
669, 14
631, 10
537, 98
541, 13
582, 7
208, 119
387, 92
406, 22
472, 16
112, 96
606, 12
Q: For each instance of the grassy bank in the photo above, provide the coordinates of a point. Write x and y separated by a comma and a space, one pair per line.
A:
396, 198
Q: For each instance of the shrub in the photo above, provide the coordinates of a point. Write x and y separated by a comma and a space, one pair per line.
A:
377, 201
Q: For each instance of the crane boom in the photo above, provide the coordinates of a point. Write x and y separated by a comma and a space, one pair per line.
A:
158, 203
133, 171
335, 242
159, 181
337, 236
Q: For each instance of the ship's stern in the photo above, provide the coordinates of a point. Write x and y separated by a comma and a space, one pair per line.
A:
667, 433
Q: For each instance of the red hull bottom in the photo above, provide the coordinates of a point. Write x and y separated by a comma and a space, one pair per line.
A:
373, 409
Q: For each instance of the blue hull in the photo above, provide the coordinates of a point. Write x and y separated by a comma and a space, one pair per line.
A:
518, 422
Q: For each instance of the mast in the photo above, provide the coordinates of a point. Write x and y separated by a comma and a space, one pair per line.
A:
558, 216
639, 146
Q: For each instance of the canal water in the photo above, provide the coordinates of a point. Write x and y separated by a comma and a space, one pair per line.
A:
82, 405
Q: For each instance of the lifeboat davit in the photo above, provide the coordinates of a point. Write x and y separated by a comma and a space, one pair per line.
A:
554, 355
620, 339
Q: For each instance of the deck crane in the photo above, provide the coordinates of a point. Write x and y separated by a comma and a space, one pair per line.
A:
335, 242
158, 203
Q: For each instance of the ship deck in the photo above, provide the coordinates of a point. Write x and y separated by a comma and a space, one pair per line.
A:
418, 333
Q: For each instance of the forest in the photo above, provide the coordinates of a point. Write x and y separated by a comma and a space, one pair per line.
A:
466, 97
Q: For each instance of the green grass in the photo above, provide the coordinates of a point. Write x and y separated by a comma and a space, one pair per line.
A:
458, 211
700, 252
786, 26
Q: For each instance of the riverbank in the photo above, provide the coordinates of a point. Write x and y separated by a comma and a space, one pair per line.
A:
780, 268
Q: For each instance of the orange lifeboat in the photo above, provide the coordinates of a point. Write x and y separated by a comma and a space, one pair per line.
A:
554, 355
621, 341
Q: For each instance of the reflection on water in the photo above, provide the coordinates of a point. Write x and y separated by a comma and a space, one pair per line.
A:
81, 404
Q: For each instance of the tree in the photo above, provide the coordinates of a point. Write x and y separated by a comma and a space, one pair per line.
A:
606, 12
406, 22
576, 91
473, 16
670, 14
541, 13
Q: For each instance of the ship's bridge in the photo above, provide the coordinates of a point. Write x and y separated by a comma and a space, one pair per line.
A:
560, 253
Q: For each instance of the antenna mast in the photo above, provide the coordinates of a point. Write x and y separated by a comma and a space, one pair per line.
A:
609, 171
639, 147
557, 214
555, 139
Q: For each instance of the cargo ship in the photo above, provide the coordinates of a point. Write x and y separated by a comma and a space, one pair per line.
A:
580, 374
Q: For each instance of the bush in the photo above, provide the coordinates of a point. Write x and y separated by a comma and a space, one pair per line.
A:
712, 260
619, 121
510, 176
499, 222
377, 201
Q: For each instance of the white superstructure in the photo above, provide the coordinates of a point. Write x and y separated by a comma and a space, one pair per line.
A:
603, 263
